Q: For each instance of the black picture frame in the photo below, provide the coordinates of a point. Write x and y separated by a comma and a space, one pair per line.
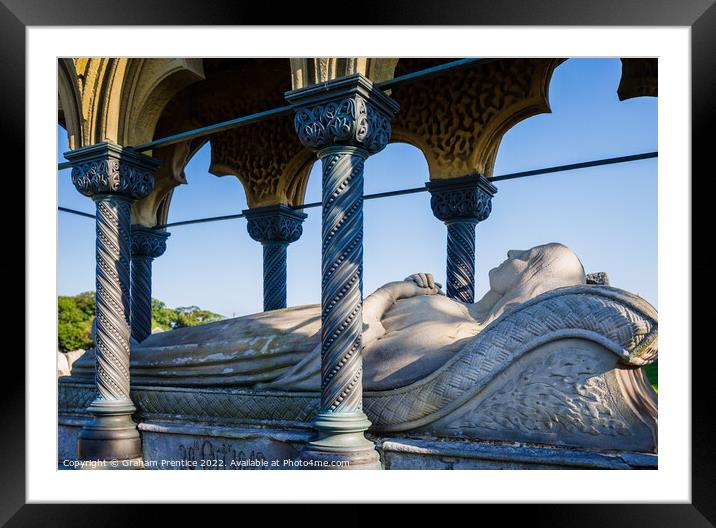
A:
16, 15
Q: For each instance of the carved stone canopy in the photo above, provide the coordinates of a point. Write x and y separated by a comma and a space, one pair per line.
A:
456, 119
106, 168
469, 197
274, 223
348, 111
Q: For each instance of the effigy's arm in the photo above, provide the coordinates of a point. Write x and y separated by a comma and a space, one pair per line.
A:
379, 302
305, 375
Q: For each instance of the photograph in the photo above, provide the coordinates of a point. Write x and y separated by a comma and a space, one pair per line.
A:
407, 263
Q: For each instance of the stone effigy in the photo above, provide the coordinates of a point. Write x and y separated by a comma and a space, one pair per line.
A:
542, 358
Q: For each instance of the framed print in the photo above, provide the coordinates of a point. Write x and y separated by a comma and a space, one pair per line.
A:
271, 247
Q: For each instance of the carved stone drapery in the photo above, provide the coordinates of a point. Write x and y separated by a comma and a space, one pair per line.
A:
345, 121
113, 177
461, 203
147, 244
275, 227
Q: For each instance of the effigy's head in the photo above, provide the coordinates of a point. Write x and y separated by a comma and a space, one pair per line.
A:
542, 267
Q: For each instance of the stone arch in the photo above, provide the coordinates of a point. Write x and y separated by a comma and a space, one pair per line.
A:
149, 84
458, 119
117, 99
85, 101
69, 102
266, 157
153, 210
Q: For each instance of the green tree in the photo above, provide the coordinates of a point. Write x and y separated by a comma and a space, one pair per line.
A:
652, 372
162, 317
76, 313
74, 321
193, 316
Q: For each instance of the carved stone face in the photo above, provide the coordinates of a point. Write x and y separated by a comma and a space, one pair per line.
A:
505, 276
542, 267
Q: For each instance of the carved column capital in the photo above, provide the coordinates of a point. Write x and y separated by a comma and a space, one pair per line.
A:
461, 203
466, 198
275, 226
346, 112
148, 242
274, 223
106, 168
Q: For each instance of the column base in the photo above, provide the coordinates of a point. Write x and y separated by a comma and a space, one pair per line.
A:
111, 436
340, 443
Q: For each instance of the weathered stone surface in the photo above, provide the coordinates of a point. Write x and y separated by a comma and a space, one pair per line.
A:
191, 446
412, 453
216, 405
231, 352
458, 119
68, 429
566, 392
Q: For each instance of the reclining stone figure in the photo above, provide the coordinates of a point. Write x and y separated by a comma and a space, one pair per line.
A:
542, 357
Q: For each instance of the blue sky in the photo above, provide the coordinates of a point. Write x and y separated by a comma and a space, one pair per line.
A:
607, 215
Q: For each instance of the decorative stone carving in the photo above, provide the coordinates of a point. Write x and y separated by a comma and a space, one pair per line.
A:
266, 157
461, 203
468, 197
275, 227
278, 223
113, 177
109, 169
350, 121
555, 395
458, 119
564, 392
147, 244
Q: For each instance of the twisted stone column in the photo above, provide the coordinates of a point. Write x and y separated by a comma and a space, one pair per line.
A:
275, 226
461, 203
147, 244
113, 177
345, 121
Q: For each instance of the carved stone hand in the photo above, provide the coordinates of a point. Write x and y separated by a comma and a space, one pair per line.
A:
425, 280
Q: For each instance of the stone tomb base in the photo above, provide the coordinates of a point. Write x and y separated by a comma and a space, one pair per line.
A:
170, 445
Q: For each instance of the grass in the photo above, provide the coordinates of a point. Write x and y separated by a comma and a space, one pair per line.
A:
652, 372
